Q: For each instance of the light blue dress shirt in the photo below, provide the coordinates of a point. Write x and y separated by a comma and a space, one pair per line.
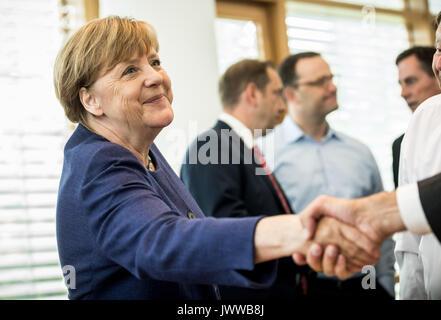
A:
337, 166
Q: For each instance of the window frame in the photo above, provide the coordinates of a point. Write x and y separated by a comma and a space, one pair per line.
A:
419, 20
269, 17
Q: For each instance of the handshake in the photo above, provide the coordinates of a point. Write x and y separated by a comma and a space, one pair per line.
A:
343, 235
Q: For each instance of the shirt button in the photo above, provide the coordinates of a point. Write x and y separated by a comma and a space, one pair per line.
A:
191, 215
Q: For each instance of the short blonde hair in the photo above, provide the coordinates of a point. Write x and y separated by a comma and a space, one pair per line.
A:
95, 48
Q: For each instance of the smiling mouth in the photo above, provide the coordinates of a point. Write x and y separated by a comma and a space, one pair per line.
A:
155, 99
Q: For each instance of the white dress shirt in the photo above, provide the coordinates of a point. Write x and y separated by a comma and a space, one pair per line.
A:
419, 255
239, 128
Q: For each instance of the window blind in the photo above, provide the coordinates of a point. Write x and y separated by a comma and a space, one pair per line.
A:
360, 47
33, 131
386, 4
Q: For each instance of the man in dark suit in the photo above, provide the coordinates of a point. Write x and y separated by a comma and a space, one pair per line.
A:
228, 176
417, 83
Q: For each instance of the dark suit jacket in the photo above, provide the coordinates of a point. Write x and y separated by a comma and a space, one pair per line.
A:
135, 234
396, 149
430, 196
233, 189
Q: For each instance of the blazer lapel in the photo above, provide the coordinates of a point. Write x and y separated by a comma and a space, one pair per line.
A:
220, 125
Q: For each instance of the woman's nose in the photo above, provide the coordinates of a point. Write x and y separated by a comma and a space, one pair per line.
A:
152, 77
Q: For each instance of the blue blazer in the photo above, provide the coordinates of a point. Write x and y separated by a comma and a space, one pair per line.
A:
135, 234
225, 184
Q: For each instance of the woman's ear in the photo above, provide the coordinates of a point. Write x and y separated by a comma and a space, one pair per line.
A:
90, 102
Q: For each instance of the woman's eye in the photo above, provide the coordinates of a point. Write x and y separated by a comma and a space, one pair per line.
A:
129, 70
156, 63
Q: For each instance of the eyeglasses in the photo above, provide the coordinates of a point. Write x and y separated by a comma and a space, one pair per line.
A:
321, 82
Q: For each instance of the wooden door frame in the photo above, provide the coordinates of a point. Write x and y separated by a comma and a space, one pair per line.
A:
269, 17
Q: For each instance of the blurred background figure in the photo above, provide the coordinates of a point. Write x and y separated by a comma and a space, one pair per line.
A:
419, 256
418, 83
311, 158
228, 185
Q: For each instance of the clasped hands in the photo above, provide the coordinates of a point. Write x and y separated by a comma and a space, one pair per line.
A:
346, 234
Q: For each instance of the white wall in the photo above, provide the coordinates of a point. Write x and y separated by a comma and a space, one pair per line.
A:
188, 53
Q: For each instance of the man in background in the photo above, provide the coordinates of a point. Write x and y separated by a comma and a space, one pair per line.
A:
418, 83
313, 159
419, 256
227, 175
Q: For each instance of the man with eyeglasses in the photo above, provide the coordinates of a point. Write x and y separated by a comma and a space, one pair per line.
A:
311, 159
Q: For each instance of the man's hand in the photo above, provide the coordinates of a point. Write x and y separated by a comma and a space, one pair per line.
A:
377, 216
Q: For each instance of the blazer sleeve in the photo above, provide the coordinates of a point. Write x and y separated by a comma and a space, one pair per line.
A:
430, 196
136, 229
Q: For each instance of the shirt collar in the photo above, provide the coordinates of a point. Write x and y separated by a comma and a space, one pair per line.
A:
291, 132
239, 128
332, 134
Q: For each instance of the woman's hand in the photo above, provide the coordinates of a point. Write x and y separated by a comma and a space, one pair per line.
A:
346, 250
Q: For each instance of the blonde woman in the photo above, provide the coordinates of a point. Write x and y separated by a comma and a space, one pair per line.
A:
125, 221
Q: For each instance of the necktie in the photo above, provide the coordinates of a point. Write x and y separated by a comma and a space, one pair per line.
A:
302, 280
276, 186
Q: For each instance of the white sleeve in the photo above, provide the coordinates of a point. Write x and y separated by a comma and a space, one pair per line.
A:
408, 197
411, 211
410, 266
411, 277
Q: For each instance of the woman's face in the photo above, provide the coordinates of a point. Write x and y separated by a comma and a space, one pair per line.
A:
135, 95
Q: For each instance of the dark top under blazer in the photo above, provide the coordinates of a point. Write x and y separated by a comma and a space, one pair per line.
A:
128, 233
430, 196
396, 150
234, 190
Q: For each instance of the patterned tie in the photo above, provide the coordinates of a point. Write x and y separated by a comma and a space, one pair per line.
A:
276, 186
